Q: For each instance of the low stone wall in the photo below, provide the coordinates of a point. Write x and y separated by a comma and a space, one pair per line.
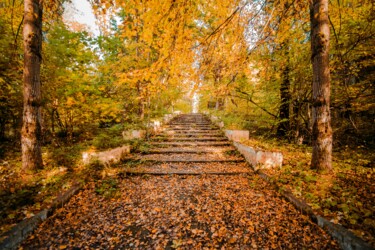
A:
106, 157
260, 159
237, 135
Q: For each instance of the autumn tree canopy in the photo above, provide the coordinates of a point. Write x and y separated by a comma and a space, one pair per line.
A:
247, 60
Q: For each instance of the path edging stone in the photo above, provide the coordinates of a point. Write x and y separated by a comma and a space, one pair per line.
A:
134, 134
14, 237
256, 157
106, 157
237, 135
346, 239
260, 158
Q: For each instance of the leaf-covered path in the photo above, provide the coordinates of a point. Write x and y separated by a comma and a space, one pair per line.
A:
210, 199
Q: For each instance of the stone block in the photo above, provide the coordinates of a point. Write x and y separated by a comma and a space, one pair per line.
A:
167, 118
260, 159
220, 124
269, 159
214, 118
237, 135
248, 152
170, 132
133, 134
156, 126
106, 157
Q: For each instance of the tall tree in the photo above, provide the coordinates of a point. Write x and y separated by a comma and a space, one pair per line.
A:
31, 129
321, 117
284, 114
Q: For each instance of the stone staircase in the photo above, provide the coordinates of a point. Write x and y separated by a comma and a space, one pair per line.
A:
184, 194
191, 144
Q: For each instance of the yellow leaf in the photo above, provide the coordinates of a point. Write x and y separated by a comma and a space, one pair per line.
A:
70, 101
232, 240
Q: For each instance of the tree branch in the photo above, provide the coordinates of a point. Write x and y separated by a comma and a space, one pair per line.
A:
221, 26
248, 98
18, 32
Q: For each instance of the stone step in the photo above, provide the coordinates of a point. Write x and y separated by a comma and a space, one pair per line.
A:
197, 161
189, 124
195, 135
186, 151
199, 149
182, 136
130, 172
190, 139
191, 129
191, 119
193, 132
193, 167
198, 121
184, 144
210, 156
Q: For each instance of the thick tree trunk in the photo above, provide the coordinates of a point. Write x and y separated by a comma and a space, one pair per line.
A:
321, 117
31, 129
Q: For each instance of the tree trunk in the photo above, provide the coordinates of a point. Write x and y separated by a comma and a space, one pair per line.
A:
31, 129
141, 105
53, 121
141, 110
321, 117
3, 123
284, 117
217, 105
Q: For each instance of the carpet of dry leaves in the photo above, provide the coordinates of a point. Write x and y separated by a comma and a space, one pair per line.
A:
184, 212
205, 156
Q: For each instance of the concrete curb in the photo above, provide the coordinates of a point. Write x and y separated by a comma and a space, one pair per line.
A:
260, 158
346, 239
107, 157
14, 237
